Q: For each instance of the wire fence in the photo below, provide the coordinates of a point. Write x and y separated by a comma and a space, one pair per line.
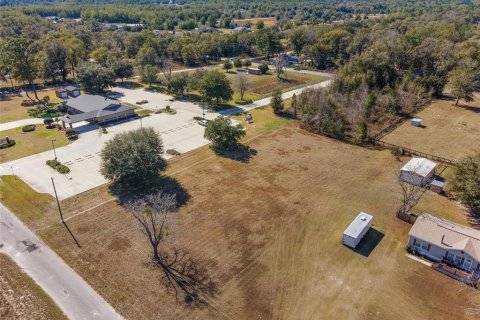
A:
408, 151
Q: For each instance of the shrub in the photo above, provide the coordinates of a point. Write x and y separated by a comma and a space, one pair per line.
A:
29, 128
247, 63
227, 65
173, 152
197, 118
142, 102
237, 63
48, 122
70, 132
61, 168
263, 68
243, 102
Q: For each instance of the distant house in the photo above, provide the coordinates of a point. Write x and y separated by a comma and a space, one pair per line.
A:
442, 240
242, 28
72, 91
357, 229
418, 171
254, 71
95, 109
61, 93
69, 91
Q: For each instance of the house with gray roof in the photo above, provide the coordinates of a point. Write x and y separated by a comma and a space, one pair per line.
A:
455, 245
95, 109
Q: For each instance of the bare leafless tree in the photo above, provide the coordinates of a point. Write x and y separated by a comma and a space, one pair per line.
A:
166, 67
156, 215
242, 85
279, 66
409, 193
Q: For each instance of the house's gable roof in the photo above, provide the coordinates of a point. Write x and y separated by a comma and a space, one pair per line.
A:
447, 235
88, 103
420, 166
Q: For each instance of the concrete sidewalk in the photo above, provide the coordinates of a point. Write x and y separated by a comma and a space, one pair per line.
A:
69, 291
20, 123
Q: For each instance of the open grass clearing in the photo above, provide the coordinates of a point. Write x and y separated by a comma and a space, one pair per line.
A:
11, 109
21, 298
28, 143
450, 131
268, 21
270, 232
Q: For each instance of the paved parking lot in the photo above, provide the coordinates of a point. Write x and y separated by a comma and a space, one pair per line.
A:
178, 132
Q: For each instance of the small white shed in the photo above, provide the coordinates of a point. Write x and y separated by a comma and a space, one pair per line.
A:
357, 229
418, 171
416, 122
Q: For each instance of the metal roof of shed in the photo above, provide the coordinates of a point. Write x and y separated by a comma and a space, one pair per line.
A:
420, 166
358, 225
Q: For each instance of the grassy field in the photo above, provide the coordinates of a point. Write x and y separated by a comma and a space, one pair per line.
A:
269, 230
28, 143
21, 298
11, 109
450, 131
263, 85
268, 21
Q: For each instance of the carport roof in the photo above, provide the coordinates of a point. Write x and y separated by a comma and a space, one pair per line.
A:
109, 110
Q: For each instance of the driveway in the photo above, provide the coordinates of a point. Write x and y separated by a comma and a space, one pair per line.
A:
69, 291
180, 132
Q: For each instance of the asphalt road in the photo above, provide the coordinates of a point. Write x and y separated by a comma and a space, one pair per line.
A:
71, 293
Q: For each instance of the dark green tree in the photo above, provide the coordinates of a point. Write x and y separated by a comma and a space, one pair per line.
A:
122, 69
466, 182
134, 156
215, 85
223, 134
95, 77
276, 101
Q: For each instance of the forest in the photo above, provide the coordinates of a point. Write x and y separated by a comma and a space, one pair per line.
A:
389, 57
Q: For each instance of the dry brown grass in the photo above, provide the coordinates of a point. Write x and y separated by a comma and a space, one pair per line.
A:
450, 131
270, 232
268, 21
11, 109
21, 298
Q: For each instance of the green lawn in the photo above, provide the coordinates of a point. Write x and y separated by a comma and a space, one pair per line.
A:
35, 209
28, 143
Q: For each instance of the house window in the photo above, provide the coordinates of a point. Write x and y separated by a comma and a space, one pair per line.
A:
450, 256
467, 264
458, 260
416, 243
425, 246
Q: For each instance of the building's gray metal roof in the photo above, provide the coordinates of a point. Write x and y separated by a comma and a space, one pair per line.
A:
358, 225
88, 102
71, 88
112, 109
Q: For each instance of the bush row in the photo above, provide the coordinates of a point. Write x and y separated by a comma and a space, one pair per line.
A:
61, 168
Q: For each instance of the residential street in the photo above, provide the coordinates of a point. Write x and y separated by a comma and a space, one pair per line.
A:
72, 294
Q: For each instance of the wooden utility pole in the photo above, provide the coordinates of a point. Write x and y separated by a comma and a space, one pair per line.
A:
58, 202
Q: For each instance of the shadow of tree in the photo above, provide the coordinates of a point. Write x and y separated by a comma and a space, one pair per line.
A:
240, 153
181, 271
129, 85
126, 192
474, 217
